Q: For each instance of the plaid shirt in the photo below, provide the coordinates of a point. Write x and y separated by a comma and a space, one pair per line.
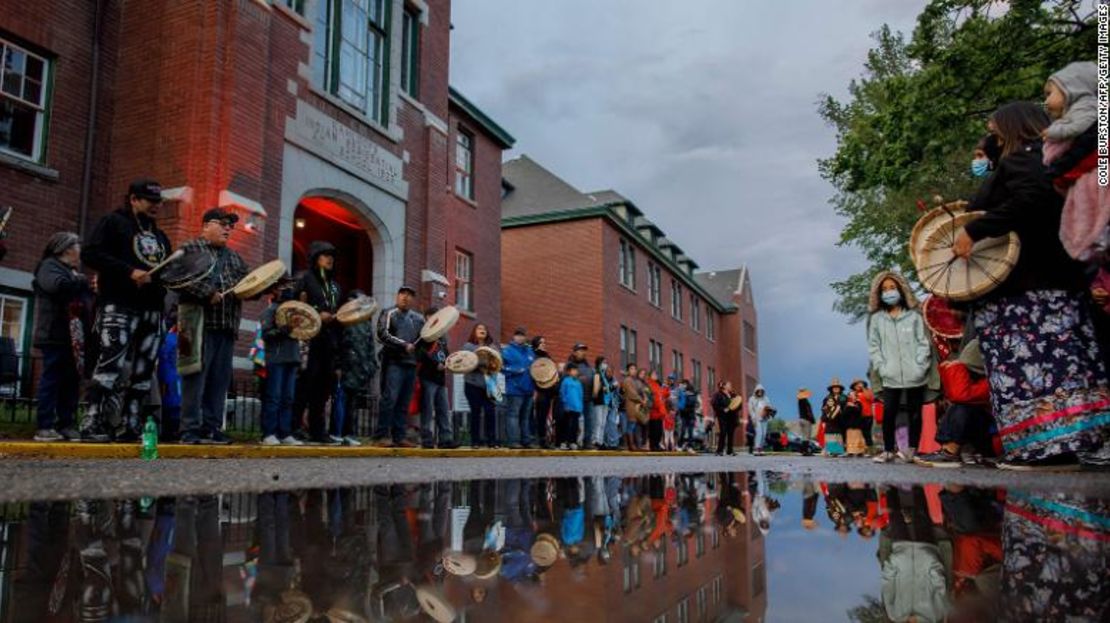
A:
230, 268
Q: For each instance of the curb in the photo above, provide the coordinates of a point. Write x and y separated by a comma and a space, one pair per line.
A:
47, 450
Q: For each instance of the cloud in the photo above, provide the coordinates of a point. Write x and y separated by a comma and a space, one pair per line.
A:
704, 114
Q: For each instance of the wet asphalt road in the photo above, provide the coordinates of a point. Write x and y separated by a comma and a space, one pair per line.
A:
67, 479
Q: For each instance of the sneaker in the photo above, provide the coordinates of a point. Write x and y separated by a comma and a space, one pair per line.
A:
271, 440
448, 445
404, 443
428, 445
332, 440
884, 457
904, 456
291, 441
48, 434
191, 438
1068, 462
573, 446
564, 446
515, 446
382, 442
940, 458
70, 434
351, 441
216, 438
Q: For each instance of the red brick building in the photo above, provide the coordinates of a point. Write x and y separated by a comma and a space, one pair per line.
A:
311, 118
590, 267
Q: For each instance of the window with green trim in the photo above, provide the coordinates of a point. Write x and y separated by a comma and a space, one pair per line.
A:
297, 6
410, 52
350, 57
24, 80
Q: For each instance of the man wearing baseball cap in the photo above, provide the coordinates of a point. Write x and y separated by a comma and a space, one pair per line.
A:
579, 360
208, 316
122, 248
399, 332
519, 389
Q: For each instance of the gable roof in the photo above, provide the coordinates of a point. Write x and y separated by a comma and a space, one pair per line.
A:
723, 284
535, 190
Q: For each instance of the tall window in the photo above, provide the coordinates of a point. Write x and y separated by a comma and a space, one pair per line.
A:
655, 357
682, 611
464, 284
676, 300
297, 6
750, 383
676, 364
711, 377
351, 53
632, 346
710, 324
410, 52
749, 336
696, 365
627, 266
655, 283
464, 165
23, 87
624, 347
695, 312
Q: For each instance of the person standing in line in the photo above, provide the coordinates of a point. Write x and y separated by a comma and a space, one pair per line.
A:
436, 427
317, 287
727, 417
758, 405
58, 284
358, 368
832, 415
643, 427
520, 390
688, 417
483, 407
599, 403
122, 248
570, 393
615, 421
867, 410
805, 418
633, 406
660, 398
204, 391
586, 373
547, 399
283, 360
399, 332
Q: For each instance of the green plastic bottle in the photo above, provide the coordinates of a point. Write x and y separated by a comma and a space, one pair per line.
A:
150, 440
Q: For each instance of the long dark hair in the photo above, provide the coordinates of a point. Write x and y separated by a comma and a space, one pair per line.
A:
1017, 124
473, 339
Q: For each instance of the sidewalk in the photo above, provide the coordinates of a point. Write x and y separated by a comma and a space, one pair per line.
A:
41, 450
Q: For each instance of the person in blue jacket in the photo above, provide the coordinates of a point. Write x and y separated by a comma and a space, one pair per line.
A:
517, 360
570, 394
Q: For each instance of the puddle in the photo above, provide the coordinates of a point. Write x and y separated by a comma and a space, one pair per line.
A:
674, 548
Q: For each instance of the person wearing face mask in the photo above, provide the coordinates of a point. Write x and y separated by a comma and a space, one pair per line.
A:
599, 405
985, 157
901, 357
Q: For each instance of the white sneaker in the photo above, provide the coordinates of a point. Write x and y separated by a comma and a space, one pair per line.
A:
564, 446
905, 456
291, 441
351, 441
884, 457
573, 446
271, 440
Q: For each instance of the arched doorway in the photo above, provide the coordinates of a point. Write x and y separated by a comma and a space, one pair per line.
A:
324, 218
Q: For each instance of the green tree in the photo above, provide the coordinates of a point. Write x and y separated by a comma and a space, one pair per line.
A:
907, 129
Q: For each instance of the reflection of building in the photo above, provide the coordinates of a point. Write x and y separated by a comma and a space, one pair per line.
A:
311, 118
590, 267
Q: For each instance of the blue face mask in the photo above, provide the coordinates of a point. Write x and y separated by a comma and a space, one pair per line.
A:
891, 297
980, 167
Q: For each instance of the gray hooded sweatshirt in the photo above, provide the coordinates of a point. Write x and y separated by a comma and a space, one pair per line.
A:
1079, 82
899, 347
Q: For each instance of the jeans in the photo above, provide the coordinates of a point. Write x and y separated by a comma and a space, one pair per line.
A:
613, 425
686, 430
397, 386
518, 421
58, 387
204, 394
893, 398
483, 416
966, 425
343, 411
277, 410
435, 410
805, 429
760, 433
599, 416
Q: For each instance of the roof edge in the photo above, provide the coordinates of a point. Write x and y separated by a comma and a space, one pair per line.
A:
499, 133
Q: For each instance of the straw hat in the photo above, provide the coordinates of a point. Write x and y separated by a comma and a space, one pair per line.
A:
858, 381
835, 382
804, 394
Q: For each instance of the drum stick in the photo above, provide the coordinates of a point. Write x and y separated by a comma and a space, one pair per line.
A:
160, 265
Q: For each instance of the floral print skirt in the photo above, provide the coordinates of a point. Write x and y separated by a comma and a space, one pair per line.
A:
1048, 384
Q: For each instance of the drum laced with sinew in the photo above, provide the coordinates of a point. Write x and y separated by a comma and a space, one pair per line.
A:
259, 280
301, 318
356, 311
438, 324
185, 267
944, 274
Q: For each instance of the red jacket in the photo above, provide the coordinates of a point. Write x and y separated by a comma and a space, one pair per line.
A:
960, 388
660, 394
866, 402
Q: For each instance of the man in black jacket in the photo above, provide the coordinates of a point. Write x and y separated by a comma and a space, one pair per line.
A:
316, 384
204, 390
398, 331
123, 248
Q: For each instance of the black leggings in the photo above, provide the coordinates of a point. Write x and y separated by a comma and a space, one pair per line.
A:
724, 438
893, 400
655, 434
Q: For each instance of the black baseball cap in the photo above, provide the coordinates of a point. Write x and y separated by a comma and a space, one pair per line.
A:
581, 346
408, 289
520, 331
220, 214
146, 188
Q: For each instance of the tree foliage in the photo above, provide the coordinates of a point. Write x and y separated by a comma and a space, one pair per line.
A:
910, 122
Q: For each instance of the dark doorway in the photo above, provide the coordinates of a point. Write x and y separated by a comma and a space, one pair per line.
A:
320, 218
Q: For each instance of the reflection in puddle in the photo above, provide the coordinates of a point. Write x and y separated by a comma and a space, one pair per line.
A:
671, 548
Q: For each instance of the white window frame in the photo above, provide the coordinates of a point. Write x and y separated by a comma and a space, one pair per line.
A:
626, 265
464, 280
410, 51
464, 164
710, 325
676, 299
695, 312
655, 284
38, 146
17, 335
632, 346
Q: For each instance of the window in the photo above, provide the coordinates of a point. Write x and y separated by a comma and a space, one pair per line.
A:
464, 284
682, 551
655, 283
351, 51
683, 610
699, 544
632, 346
710, 324
464, 165
23, 87
624, 347
703, 594
695, 312
676, 300
655, 357
711, 376
410, 52
660, 619
297, 6
631, 572
749, 336
659, 562
716, 538
676, 363
697, 374
627, 265
13, 323
718, 583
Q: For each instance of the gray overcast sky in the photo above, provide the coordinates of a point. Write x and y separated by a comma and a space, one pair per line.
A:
702, 112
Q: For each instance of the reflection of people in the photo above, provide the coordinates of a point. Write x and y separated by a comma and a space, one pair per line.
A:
47, 531
198, 539
123, 247
914, 583
435, 413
